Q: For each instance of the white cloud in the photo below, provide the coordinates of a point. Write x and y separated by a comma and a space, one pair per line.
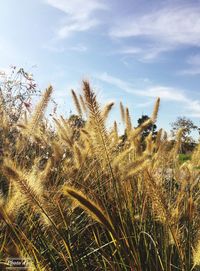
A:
194, 108
164, 92
193, 68
190, 71
131, 50
77, 8
76, 26
144, 104
194, 60
79, 48
145, 53
105, 77
79, 15
166, 28
60, 48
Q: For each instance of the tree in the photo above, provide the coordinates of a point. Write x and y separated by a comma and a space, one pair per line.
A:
150, 128
76, 123
187, 126
16, 90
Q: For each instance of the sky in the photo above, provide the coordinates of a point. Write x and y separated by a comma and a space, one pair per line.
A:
131, 51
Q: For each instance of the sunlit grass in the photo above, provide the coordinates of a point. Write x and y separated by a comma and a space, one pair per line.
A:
82, 197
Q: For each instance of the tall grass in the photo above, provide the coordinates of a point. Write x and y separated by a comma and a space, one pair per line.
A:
86, 198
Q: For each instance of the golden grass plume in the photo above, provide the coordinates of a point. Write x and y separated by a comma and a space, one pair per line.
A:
95, 211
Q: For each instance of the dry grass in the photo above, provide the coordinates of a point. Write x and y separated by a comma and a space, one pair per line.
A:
85, 198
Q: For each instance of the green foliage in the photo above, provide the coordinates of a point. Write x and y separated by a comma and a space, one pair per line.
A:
184, 157
151, 128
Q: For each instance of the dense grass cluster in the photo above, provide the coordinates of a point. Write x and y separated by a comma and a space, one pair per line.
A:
81, 197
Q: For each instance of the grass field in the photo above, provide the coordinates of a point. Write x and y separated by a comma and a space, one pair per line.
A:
81, 197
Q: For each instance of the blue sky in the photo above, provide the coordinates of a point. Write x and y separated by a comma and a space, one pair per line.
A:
132, 51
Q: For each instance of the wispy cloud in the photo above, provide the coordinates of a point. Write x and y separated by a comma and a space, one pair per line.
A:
105, 77
194, 108
193, 68
144, 104
164, 92
165, 28
190, 71
130, 50
79, 15
194, 60
54, 47
146, 52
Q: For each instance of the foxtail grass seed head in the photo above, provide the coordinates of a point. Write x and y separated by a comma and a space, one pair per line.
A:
107, 110
128, 120
155, 110
122, 111
76, 102
79, 195
90, 207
